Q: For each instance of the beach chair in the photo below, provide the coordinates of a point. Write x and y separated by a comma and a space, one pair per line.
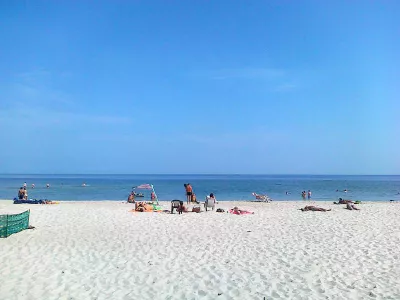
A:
261, 198
210, 202
178, 205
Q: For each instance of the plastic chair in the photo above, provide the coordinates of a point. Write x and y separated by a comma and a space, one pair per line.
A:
210, 202
178, 205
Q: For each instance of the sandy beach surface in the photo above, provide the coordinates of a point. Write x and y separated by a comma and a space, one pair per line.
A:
101, 250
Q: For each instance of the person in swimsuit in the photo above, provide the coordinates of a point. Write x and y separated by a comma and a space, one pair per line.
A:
189, 192
194, 198
342, 201
131, 197
25, 194
21, 193
351, 206
314, 208
237, 211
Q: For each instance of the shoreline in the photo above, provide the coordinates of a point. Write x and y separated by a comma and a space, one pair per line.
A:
222, 201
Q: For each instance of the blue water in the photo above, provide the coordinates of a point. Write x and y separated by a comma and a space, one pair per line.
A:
225, 187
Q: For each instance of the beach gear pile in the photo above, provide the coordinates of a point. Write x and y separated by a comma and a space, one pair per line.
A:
34, 201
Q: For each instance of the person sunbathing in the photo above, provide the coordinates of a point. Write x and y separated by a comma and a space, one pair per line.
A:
314, 208
140, 206
342, 201
350, 206
237, 211
143, 206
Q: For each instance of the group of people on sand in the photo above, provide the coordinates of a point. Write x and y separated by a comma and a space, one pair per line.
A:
132, 195
350, 205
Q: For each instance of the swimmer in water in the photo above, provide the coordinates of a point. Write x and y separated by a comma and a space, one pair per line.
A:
83, 184
47, 185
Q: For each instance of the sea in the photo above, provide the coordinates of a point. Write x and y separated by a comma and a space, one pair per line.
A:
225, 187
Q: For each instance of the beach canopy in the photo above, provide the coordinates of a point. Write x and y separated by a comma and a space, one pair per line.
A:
147, 186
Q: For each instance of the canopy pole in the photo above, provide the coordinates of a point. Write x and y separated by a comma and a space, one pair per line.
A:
152, 188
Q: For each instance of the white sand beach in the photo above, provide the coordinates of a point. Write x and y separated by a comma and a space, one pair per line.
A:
101, 250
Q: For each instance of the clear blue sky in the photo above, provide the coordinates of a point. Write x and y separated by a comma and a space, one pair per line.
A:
307, 87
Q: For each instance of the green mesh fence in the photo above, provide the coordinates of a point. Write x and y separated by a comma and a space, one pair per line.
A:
10, 224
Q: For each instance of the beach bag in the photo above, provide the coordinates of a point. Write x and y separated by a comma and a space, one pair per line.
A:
220, 210
196, 209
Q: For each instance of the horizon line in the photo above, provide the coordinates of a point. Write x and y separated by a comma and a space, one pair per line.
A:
203, 174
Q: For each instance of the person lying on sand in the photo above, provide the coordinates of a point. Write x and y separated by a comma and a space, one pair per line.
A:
237, 211
350, 206
143, 206
314, 208
342, 201
47, 202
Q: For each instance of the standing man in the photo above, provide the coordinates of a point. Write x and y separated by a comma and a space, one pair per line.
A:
189, 192
309, 194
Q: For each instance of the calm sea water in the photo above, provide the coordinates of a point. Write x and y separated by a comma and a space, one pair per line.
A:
225, 187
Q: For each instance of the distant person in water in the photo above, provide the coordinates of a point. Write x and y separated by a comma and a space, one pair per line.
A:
345, 190
47, 185
24, 185
33, 185
303, 195
83, 184
153, 196
309, 194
